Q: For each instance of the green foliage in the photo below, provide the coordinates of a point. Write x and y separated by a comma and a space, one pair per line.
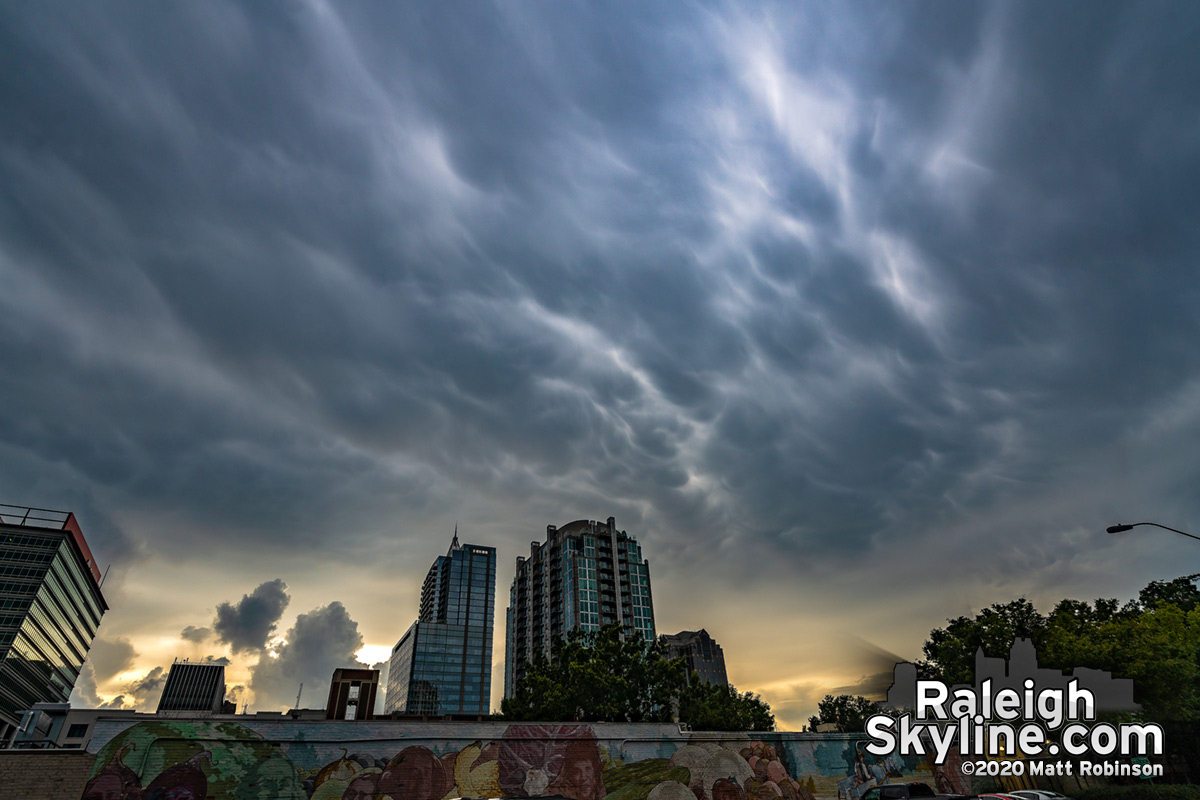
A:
848, 712
1154, 640
1181, 592
598, 677
635, 781
950, 651
719, 707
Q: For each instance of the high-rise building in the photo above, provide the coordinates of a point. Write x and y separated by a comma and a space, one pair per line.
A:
194, 686
586, 575
50, 608
701, 653
352, 694
443, 663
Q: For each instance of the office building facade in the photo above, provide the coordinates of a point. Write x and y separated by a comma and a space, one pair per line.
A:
701, 653
193, 686
586, 575
442, 666
50, 608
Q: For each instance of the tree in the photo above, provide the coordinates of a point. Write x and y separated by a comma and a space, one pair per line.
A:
849, 712
719, 707
599, 677
950, 651
1181, 592
1153, 640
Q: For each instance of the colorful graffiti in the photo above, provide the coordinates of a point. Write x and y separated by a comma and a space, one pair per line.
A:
199, 760
192, 760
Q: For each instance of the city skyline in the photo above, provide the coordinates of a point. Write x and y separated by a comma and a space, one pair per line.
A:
806, 297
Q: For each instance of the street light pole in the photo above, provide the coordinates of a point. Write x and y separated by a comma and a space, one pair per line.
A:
1122, 528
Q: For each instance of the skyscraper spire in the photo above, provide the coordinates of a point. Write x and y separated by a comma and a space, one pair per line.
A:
454, 542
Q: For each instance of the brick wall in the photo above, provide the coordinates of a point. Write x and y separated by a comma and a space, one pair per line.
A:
43, 775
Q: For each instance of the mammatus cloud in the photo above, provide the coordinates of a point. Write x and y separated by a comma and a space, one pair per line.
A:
791, 291
248, 626
321, 641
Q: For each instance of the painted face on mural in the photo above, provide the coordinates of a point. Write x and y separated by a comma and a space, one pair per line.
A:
104, 787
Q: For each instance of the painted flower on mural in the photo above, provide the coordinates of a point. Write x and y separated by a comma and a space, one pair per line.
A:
536, 760
476, 771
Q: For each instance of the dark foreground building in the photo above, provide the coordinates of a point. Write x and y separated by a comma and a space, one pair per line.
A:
194, 686
50, 608
701, 653
442, 666
586, 575
352, 694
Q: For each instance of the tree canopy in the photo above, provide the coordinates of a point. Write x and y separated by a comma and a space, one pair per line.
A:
601, 677
719, 707
849, 712
1154, 640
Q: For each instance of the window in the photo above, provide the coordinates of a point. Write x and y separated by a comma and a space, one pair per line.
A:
77, 731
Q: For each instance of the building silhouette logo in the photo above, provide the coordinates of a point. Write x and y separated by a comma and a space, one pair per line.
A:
1111, 694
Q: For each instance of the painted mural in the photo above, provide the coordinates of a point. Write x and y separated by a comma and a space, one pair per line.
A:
199, 760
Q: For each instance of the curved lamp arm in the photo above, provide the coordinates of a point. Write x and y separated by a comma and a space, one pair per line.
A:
1122, 528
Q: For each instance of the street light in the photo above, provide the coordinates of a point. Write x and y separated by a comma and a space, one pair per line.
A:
1122, 528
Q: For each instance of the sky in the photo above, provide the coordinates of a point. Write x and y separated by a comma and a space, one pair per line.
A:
859, 317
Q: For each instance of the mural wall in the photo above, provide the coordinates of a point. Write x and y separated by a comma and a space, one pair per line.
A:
198, 759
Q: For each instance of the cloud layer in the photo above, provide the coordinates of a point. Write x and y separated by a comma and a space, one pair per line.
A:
797, 294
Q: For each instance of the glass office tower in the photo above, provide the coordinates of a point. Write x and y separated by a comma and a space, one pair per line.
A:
443, 664
50, 608
586, 575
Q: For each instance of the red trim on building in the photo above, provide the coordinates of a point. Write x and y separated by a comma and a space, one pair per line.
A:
71, 525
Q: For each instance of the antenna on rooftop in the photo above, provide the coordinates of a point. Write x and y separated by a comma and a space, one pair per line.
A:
105, 575
298, 693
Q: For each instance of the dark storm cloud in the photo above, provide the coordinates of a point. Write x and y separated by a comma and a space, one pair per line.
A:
321, 641
249, 625
804, 279
195, 634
